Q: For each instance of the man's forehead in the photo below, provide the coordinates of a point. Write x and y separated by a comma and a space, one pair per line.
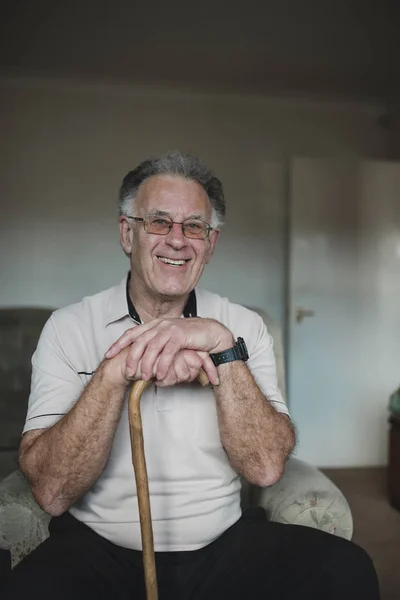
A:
167, 194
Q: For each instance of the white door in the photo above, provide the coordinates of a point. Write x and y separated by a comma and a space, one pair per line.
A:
344, 308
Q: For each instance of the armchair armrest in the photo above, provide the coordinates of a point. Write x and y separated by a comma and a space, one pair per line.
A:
305, 496
23, 524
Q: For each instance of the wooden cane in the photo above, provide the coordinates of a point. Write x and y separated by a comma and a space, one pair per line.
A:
142, 484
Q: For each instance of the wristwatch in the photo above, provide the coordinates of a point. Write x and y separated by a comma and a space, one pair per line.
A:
238, 352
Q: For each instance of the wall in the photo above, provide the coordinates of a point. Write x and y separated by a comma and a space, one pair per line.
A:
66, 146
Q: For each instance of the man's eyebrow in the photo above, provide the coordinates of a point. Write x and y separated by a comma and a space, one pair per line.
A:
158, 213
165, 213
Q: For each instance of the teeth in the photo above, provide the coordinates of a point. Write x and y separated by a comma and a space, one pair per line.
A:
170, 261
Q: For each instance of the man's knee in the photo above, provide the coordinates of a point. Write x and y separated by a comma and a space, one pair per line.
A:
353, 566
354, 558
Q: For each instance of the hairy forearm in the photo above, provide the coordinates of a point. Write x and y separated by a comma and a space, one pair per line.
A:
257, 439
66, 459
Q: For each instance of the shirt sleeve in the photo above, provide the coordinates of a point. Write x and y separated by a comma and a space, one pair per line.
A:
262, 365
55, 385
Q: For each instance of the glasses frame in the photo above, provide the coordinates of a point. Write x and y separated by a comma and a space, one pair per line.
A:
172, 223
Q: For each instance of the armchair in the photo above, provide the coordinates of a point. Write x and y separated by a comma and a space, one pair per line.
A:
303, 495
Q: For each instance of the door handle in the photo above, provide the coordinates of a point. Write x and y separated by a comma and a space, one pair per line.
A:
301, 313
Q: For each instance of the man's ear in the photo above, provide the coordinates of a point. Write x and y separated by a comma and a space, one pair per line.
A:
212, 240
126, 235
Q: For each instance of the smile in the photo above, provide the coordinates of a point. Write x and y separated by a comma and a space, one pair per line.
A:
172, 261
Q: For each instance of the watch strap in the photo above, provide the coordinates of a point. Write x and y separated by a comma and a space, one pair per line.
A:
237, 352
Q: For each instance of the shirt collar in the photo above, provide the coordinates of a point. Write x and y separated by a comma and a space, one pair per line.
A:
117, 306
121, 305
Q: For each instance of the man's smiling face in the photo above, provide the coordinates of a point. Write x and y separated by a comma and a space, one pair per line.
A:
168, 265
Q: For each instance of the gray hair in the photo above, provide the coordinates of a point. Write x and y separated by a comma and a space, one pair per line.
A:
174, 163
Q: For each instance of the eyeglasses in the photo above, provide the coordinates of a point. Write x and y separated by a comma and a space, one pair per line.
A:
191, 228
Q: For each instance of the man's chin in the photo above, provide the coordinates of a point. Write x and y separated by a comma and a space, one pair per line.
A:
174, 285
172, 293
171, 290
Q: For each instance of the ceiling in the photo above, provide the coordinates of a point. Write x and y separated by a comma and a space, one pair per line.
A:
342, 48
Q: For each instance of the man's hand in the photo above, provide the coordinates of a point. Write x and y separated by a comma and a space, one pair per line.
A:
185, 368
154, 348
115, 370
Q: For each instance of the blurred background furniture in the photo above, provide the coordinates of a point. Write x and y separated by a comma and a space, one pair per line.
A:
393, 472
303, 495
19, 333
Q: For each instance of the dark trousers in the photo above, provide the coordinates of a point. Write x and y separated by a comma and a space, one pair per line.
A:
254, 558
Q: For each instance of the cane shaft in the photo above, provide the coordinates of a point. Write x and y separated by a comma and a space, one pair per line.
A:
142, 483
142, 486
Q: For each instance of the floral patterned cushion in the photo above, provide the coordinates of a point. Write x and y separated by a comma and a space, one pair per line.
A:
303, 496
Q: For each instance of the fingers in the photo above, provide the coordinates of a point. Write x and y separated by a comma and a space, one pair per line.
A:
162, 349
129, 337
123, 342
184, 369
137, 351
167, 357
209, 368
194, 363
196, 334
179, 372
155, 347
146, 349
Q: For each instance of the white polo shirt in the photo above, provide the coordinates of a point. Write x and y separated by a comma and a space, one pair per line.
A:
194, 491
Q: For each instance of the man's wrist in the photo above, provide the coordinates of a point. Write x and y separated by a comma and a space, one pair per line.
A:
236, 352
227, 341
111, 376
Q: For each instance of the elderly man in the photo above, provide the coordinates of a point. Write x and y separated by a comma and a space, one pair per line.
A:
76, 447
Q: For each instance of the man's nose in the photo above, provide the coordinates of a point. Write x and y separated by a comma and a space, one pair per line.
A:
175, 237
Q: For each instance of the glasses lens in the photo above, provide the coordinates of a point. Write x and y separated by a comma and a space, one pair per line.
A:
159, 225
195, 229
192, 228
